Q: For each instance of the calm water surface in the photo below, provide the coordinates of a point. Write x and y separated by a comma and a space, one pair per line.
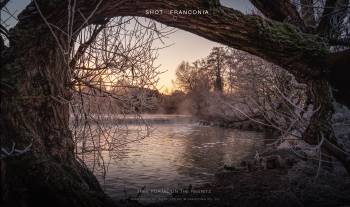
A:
174, 155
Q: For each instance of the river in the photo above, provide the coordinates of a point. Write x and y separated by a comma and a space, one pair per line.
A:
176, 153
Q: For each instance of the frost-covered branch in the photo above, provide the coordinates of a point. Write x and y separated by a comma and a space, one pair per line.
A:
13, 151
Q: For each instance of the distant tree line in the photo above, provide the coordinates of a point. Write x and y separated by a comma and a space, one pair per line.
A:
230, 86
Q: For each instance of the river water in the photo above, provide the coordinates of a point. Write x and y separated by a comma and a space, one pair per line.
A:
176, 153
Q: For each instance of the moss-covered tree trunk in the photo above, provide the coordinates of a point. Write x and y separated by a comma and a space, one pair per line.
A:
35, 115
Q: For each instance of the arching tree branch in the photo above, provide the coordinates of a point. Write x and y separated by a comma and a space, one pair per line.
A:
277, 42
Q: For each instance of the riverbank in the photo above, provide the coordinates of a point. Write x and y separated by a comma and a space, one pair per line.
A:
297, 182
280, 176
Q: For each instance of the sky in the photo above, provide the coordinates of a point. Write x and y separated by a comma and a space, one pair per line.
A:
185, 46
188, 47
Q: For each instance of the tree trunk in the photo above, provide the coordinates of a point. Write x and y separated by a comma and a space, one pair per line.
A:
320, 126
218, 79
35, 115
320, 122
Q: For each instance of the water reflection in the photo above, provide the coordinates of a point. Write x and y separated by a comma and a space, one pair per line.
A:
174, 155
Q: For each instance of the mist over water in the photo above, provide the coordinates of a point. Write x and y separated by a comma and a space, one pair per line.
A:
176, 153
